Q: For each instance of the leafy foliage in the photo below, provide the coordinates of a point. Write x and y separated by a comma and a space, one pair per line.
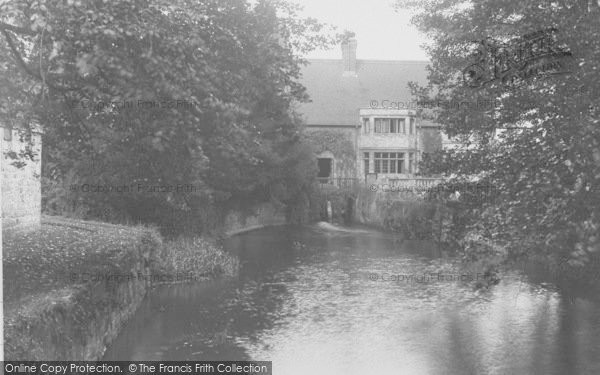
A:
159, 93
333, 141
540, 145
198, 257
68, 252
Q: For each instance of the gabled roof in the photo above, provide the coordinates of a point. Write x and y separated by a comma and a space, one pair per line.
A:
336, 99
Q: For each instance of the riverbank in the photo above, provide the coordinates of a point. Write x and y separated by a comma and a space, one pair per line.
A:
260, 216
308, 293
408, 215
71, 286
451, 224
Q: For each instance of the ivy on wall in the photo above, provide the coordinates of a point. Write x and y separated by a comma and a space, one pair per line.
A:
339, 142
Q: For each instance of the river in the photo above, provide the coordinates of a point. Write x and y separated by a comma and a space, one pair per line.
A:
320, 301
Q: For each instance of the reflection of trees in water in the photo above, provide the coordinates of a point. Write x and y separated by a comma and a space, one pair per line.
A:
540, 331
256, 306
216, 322
460, 331
199, 326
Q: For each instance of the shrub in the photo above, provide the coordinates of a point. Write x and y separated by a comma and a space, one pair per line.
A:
198, 257
414, 219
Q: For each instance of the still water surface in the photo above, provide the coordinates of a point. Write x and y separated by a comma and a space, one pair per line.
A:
316, 301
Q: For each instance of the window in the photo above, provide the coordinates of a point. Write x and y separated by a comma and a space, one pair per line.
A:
393, 163
390, 125
324, 165
384, 162
366, 162
378, 125
412, 126
389, 162
411, 162
400, 162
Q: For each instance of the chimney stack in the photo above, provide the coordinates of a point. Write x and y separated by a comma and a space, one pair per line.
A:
349, 56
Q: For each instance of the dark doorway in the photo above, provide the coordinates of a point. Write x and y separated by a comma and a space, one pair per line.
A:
324, 167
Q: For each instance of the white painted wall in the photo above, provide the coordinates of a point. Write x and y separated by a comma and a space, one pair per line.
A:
21, 187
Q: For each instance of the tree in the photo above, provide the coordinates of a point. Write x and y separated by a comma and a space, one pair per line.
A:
157, 93
540, 143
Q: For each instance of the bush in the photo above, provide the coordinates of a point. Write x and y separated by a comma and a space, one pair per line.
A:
415, 220
197, 257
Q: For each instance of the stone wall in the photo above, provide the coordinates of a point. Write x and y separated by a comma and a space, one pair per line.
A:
263, 215
408, 214
372, 207
341, 143
78, 321
21, 185
75, 324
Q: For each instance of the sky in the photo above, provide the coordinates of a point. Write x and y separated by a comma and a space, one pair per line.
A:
382, 33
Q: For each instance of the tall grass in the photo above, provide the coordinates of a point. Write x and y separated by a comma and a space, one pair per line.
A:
199, 257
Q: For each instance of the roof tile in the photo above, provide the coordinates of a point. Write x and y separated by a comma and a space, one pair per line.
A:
336, 99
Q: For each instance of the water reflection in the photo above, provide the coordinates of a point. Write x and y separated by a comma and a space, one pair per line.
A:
307, 300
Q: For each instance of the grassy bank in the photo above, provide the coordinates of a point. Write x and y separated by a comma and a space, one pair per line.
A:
70, 286
65, 253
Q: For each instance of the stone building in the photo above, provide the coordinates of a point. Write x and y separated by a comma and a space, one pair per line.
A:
20, 169
363, 119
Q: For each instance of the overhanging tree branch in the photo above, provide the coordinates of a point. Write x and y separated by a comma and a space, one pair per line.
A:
16, 29
17, 55
24, 66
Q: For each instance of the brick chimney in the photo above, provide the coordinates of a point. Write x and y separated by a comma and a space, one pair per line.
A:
349, 57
